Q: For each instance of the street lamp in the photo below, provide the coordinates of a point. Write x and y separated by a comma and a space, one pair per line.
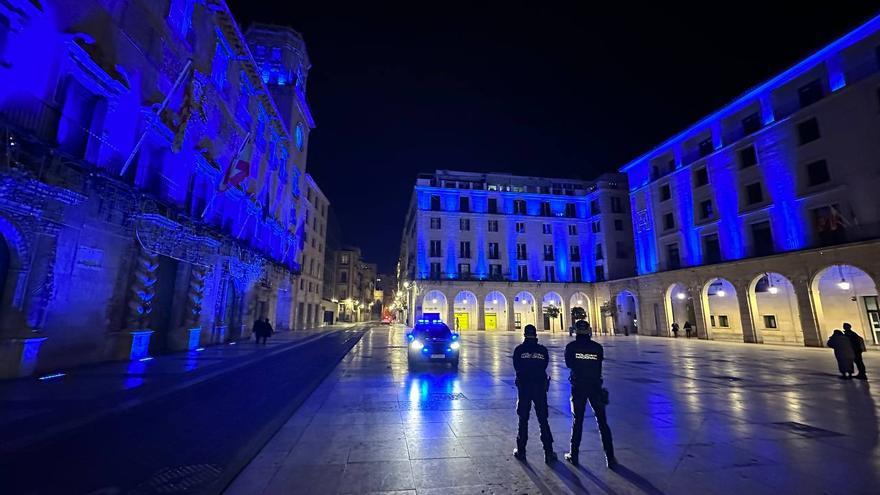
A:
680, 296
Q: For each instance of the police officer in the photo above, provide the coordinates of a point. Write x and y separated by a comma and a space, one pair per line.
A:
530, 360
584, 358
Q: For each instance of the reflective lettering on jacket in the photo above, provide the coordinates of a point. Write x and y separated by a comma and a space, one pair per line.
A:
532, 355
586, 355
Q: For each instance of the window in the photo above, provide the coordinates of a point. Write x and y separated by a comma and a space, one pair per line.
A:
545, 228
769, 321
705, 147
519, 207
596, 227
522, 272
572, 230
493, 205
435, 203
493, 251
343, 276
723, 321
493, 225
817, 173
435, 251
670, 166
576, 275
665, 192
464, 249
618, 225
747, 157
762, 238
549, 273
464, 224
435, 223
616, 205
435, 270
594, 207
701, 177
495, 271
464, 204
464, 269
575, 253
668, 221
521, 253
343, 259
808, 131
520, 228
711, 249
570, 210
620, 250
673, 257
600, 273
754, 193
545, 209
810, 93
600, 255
706, 209
829, 225
751, 124
548, 252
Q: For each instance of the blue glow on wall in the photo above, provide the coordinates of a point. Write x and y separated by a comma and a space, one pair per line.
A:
481, 270
512, 262
560, 250
684, 215
451, 249
723, 179
836, 77
777, 162
449, 201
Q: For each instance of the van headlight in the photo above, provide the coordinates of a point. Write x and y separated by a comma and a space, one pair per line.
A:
417, 345
454, 346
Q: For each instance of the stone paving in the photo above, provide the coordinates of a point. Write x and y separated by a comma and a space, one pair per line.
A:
688, 416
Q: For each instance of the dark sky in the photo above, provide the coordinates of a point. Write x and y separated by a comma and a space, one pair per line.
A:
553, 90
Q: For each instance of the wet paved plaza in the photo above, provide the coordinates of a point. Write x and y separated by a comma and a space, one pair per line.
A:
688, 416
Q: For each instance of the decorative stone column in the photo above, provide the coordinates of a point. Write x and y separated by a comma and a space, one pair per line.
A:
750, 335
806, 311
134, 341
696, 295
481, 313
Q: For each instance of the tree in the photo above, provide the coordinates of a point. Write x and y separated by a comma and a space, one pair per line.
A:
578, 313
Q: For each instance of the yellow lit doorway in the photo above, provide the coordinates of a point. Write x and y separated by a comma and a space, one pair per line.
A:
491, 321
461, 321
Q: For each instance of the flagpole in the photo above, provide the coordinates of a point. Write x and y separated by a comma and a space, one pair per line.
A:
164, 104
244, 143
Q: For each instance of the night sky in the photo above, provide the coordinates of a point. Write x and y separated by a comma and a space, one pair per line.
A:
552, 90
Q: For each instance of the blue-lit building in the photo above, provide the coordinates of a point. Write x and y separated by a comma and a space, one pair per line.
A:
759, 222
499, 251
150, 178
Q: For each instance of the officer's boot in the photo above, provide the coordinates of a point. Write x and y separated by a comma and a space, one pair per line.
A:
519, 453
549, 456
572, 456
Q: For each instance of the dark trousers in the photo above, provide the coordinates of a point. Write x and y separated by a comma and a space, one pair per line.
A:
528, 394
860, 364
579, 398
264, 338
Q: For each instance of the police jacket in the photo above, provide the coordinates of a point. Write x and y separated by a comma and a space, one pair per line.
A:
856, 340
530, 360
584, 358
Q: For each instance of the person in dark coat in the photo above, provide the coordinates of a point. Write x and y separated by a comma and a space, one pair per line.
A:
530, 361
262, 330
687, 329
584, 358
674, 329
843, 352
257, 330
858, 345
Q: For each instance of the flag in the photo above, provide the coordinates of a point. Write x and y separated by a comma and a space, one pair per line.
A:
186, 111
240, 169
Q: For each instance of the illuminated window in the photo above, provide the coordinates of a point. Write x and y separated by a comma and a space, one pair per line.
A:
817, 173
808, 131
521, 253
769, 321
464, 269
495, 271
343, 259
464, 224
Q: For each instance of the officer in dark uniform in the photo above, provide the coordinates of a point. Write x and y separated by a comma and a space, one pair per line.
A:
530, 360
584, 358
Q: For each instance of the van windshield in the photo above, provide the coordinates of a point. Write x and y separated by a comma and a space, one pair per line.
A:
432, 331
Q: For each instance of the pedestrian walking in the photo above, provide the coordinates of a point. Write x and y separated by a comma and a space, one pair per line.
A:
257, 329
270, 331
262, 330
584, 358
675, 329
687, 329
625, 331
843, 352
530, 361
858, 346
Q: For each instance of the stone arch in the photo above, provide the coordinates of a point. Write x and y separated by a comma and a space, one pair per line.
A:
582, 301
495, 311
679, 305
553, 299
524, 310
774, 308
627, 305
721, 310
846, 293
465, 311
434, 303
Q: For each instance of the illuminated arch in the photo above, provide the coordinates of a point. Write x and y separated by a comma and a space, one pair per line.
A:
845, 293
495, 311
